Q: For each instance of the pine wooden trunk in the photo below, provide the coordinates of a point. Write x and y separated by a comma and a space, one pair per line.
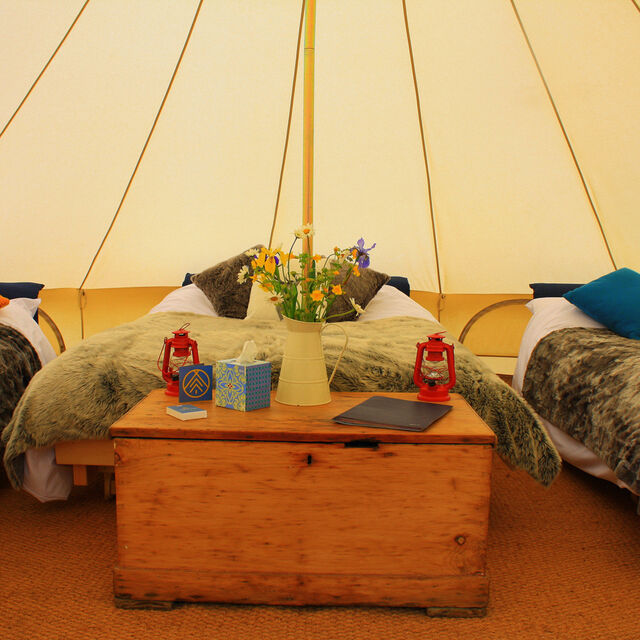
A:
282, 506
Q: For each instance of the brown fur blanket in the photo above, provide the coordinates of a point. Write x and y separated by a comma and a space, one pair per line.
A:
18, 364
586, 382
82, 392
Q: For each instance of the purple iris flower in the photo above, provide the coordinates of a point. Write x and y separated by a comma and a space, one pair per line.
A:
363, 254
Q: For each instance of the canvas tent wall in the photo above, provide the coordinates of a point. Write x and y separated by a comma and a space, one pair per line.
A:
151, 134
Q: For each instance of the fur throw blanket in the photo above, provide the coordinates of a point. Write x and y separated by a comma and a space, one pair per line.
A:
82, 392
18, 364
587, 383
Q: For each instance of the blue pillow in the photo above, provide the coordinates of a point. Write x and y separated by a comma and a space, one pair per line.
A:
401, 283
551, 289
613, 300
20, 289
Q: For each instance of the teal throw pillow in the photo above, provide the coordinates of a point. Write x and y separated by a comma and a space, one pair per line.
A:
613, 300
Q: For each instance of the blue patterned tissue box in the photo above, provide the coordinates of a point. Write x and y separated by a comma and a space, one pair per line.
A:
244, 387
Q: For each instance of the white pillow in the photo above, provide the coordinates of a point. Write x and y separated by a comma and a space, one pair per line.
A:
260, 306
549, 314
30, 305
389, 302
18, 314
188, 298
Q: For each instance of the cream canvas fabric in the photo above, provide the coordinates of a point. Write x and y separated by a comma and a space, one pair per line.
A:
112, 129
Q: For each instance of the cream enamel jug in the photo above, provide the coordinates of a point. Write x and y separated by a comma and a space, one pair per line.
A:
303, 376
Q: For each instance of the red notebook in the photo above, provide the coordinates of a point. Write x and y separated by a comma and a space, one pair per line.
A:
393, 413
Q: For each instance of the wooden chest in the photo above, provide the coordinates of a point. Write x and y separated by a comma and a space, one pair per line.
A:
283, 506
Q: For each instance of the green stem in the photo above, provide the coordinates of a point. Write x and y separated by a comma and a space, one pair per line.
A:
344, 313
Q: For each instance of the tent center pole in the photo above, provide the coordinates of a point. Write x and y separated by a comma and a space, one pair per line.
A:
307, 177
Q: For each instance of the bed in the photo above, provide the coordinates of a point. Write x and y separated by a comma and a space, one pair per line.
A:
25, 350
85, 390
582, 375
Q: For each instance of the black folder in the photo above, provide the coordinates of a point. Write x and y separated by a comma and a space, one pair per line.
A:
393, 413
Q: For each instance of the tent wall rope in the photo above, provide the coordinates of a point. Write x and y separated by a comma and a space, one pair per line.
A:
46, 66
565, 134
422, 137
288, 132
139, 161
424, 153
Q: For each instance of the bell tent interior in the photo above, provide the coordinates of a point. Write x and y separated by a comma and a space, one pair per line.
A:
481, 145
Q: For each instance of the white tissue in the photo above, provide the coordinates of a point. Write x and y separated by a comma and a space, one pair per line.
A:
248, 353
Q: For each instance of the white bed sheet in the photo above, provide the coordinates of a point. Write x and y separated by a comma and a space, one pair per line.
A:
552, 314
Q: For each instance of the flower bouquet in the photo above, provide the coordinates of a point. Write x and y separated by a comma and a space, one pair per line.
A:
303, 286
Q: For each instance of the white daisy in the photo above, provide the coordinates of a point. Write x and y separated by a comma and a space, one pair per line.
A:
243, 274
356, 306
304, 231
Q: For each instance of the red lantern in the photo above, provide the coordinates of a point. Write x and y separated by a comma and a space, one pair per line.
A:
183, 348
431, 373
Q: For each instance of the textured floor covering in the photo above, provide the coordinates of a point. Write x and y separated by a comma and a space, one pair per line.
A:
564, 563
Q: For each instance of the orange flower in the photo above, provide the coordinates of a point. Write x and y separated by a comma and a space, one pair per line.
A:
337, 289
4, 301
270, 265
356, 271
317, 295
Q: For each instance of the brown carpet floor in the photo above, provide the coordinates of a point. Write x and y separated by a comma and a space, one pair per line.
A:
564, 563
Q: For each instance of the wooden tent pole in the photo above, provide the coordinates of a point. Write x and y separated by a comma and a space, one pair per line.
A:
307, 143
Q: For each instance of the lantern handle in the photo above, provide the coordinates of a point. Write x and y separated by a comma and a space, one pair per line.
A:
162, 348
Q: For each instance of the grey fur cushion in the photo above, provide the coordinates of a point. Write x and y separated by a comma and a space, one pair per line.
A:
219, 283
361, 289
